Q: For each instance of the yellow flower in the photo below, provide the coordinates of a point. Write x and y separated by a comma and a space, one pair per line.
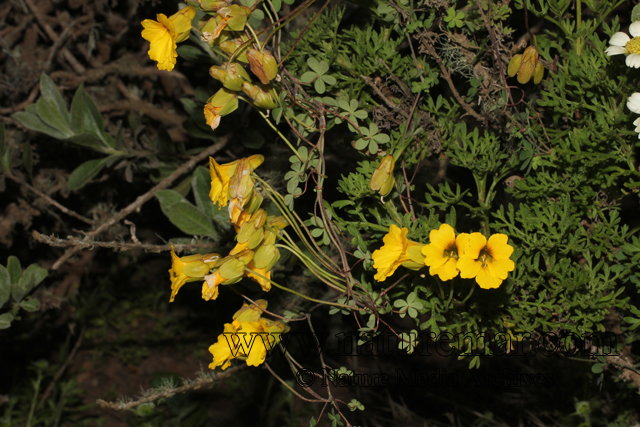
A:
526, 65
248, 337
382, 179
188, 269
164, 35
441, 255
487, 261
220, 176
395, 252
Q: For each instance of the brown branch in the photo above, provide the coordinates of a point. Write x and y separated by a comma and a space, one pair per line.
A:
168, 393
390, 103
49, 199
120, 246
447, 77
144, 198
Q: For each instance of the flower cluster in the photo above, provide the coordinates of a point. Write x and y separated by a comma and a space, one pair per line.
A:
248, 337
447, 255
255, 253
223, 29
621, 43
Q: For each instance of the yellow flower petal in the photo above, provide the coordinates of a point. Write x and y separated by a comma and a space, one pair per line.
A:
500, 268
498, 247
162, 38
468, 267
477, 242
486, 280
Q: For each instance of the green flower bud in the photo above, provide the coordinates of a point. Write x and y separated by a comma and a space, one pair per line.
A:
235, 16
255, 201
212, 5
231, 46
252, 226
266, 257
263, 65
230, 75
382, 179
417, 257
262, 96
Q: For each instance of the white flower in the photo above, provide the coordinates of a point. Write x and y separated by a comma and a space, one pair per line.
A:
633, 103
637, 124
622, 43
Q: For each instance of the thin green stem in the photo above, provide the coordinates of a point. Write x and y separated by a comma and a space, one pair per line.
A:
284, 288
264, 116
254, 36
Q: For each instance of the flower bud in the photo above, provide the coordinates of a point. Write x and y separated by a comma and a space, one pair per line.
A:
262, 96
208, 29
414, 251
249, 312
222, 103
526, 65
230, 47
182, 22
266, 257
382, 179
230, 75
212, 5
263, 65
235, 16
254, 203
253, 226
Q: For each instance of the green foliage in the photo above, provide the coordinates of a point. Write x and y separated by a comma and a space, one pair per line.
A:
17, 284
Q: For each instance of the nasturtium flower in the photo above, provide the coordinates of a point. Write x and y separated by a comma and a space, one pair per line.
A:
442, 254
223, 102
220, 176
190, 268
526, 65
394, 253
382, 179
622, 43
249, 337
488, 261
165, 33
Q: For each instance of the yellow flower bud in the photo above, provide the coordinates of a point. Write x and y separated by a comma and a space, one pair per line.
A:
262, 96
263, 65
526, 65
230, 75
382, 179
249, 312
